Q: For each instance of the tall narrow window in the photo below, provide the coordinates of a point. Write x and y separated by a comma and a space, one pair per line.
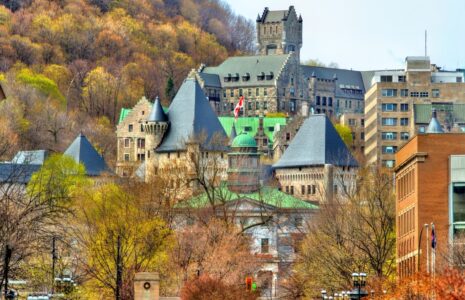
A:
265, 245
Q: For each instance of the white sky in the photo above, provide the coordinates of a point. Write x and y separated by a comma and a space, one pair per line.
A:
374, 34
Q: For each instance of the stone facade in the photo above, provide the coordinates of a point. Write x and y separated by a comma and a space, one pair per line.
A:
356, 123
389, 104
279, 32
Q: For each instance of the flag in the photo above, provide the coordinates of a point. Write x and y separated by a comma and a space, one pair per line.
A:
433, 237
238, 107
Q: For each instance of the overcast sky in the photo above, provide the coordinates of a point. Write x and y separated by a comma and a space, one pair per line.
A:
374, 34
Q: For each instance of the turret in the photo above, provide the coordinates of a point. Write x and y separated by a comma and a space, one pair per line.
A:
244, 165
155, 127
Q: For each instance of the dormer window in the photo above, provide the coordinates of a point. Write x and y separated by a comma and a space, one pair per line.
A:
269, 76
227, 78
246, 77
235, 77
261, 76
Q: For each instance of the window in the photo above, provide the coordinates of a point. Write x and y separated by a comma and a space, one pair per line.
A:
240, 92
287, 189
249, 92
231, 92
330, 101
362, 122
435, 93
402, 78
231, 106
141, 127
257, 92
130, 128
126, 156
302, 189
389, 107
389, 121
404, 92
141, 157
292, 190
414, 94
389, 135
403, 121
353, 136
313, 189
404, 136
224, 93
352, 122
317, 100
288, 136
298, 221
270, 128
458, 79
127, 142
389, 92
362, 135
323, 101
421, 129
141, 143
249, 105
247, 128
404, 107
388, 163
386, 78
265, 105
389, 149
265, 246
309, 189
265, 91
424, 94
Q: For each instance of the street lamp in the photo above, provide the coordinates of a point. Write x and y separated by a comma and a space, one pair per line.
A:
359, 280
323, 294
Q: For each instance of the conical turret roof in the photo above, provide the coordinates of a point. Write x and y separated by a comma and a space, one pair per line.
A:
191, 116
83, 152
434, 125
157, 114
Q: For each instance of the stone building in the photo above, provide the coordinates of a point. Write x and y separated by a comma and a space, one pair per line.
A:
356, 123
317, 164
391, 99
279, 32
151, 140
430, 182
274, 221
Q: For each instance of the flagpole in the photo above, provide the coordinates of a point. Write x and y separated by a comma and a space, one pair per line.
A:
427, 248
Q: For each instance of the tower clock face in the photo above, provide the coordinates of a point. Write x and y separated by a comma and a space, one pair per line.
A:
147, 285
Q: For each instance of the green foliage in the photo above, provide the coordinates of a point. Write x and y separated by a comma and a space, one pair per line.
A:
58, 181
276, 115
345, 133
169, 90
41, 83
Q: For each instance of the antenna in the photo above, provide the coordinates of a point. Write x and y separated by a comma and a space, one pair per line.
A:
426, 42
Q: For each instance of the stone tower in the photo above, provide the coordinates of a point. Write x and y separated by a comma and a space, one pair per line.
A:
244, 165
279, 32
155, 128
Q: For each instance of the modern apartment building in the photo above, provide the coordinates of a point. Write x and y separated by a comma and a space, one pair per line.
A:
390, 118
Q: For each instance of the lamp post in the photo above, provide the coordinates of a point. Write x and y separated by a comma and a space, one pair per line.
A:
359, 280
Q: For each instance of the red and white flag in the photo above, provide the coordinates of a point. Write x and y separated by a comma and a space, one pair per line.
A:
238, 107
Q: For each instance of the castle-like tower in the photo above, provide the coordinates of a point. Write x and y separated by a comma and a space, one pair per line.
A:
155, 128
279, 32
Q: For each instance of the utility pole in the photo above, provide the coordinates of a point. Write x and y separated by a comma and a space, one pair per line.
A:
54, 258
119, 269
6, 267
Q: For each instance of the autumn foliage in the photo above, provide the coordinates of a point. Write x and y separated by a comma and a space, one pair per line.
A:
208, 288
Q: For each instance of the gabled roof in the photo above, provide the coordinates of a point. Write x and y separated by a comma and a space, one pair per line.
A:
34, 157
83, 152
347, 80
270, 197
157, 114
252, 66
316, 143
210, 80
191, 116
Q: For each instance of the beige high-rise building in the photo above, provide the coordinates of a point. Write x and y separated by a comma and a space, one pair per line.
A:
390, 103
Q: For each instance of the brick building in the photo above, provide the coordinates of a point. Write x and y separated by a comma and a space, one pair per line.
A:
430, 183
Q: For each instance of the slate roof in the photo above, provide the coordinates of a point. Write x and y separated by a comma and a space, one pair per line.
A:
347, 80
34, 157
157, 114
210, 80
190, 115
316, 143
275, 15
17, 173
253, 65
268, 196
83, 152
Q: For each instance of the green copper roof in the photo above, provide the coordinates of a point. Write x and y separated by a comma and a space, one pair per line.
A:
268, 196
250, 125
244, 140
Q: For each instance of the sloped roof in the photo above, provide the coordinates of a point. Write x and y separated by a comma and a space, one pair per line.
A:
251, 123
83, 152
275, 15
210, 80
190, 115
316, 143
347, 80
253, 65
157, 114
434, 126
267, 196
17, 173
34, 157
